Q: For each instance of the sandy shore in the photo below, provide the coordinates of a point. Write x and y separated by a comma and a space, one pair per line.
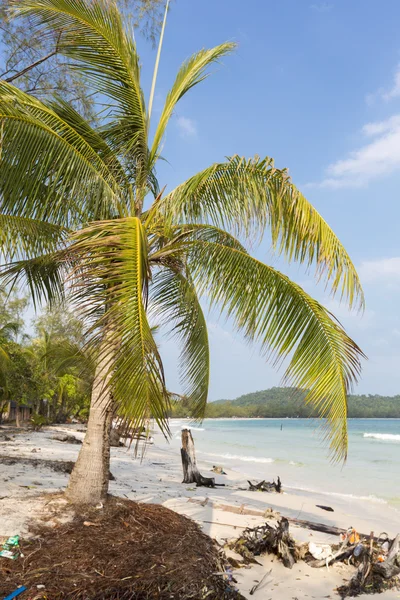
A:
157, 478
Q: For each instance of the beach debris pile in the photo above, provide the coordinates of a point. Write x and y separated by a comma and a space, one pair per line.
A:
64, 437
376, 560
255, 541
130, 550
266, 486
378, 565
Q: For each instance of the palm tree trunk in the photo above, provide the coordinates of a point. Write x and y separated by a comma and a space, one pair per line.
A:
88, 483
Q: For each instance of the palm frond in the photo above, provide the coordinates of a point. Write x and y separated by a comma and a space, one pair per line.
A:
248, 196
47, 170
173, 298
95, 39
68, 357
23, 238
110, 290
278, 314
9, 330
192, 72
43, 275
170, 242
92, 136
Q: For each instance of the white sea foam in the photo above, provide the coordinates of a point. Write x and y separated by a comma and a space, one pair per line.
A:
229, 456
387, 437
192, 428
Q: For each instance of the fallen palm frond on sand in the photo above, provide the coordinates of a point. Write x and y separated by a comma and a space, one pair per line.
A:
122, 550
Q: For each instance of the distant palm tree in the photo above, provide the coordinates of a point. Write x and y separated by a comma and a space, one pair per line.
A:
83, 210
62, 362
8, 332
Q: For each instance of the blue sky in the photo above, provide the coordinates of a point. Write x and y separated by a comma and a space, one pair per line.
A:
316, 85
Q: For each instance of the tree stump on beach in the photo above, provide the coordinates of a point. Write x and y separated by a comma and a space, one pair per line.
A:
191, 473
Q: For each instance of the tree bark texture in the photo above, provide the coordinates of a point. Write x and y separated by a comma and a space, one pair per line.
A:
88, 483
191, 473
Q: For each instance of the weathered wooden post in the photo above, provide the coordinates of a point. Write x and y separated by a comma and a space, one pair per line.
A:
191, 473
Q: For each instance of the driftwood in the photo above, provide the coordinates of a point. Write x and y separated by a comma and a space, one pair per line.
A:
327, 508
276, 540
391, 566
266, 486
191, 473
322, 528
341, 554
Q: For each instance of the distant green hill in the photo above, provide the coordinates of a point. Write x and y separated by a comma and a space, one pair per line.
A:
288, 402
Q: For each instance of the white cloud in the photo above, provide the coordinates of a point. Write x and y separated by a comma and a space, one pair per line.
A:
187, 127
394, 91
380, 270
387, 94
374, 159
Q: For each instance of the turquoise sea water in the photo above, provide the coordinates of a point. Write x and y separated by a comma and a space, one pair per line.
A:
261, 449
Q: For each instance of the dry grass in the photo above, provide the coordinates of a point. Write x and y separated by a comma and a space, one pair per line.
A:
123, 551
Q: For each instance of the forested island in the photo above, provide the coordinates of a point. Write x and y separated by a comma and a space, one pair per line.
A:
289, 402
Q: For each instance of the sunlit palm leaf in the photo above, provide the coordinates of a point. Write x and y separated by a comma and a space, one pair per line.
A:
43, 275
94, 36
247, 196
26, 238
170, 242
192, 72
93, 137
272, 310
111, 292
173, 299
47, 170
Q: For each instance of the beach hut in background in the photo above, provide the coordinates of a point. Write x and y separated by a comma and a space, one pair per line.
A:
17, 412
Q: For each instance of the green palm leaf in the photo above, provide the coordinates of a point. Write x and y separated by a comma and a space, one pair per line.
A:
192, 72
43, 275
272, 310
92, 136
247, 196
65, 181
94, 37
26, 238
173, 299
111, 290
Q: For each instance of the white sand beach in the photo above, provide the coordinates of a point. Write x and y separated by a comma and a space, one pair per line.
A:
157, 478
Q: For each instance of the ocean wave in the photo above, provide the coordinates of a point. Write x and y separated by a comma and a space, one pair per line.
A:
193, 428
387, 437
229, 456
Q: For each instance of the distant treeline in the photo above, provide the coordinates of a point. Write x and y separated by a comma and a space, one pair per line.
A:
289, 402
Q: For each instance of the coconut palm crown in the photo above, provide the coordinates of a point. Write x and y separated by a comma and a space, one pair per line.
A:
76, 218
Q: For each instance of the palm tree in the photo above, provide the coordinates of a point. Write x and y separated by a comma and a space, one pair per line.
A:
63, 364
85, 214
8, 332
